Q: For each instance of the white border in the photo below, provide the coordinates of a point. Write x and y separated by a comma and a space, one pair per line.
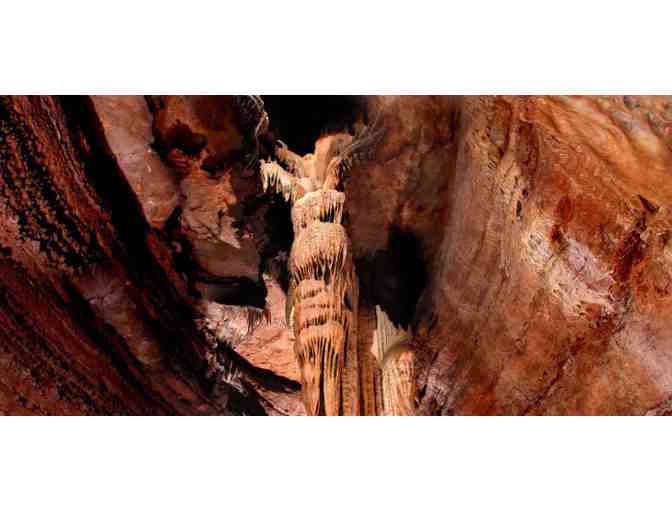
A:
329, 48
461, 463
351, 47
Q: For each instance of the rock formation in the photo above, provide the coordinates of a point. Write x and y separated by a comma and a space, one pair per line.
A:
397, 364
323, 290
491, 255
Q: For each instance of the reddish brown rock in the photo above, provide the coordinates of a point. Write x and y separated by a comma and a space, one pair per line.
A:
211, 213
95, 317
81, 294
127, 124
548, 295
413, 165
524, 240
269, 345
198, 123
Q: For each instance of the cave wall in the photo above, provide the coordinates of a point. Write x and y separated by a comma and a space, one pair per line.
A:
101, 310
543, 229
550, 293
87, 318
523, 240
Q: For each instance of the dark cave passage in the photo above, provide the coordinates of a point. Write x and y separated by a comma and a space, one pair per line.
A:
394, 278
239, 291
300, 120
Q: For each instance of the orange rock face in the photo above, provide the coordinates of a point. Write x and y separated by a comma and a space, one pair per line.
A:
544, 231
523, 243
549, 293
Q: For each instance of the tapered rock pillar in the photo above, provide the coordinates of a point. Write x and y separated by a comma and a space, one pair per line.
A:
323, 293
324, 296
397, 364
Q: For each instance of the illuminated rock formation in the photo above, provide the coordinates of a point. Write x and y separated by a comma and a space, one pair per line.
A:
323, 302
323, 289
396, 359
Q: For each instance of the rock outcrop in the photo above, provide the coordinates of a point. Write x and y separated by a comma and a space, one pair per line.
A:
323, 287
497, 255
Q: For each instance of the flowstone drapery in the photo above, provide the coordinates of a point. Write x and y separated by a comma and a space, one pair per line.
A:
322, 307
396, 361
323, 293
322, 304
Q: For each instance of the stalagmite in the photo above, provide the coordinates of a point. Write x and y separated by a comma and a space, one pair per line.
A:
324, 299
396, 360
322, 304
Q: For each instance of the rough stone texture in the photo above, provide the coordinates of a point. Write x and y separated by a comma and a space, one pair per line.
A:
550, 293
544, 230
97, 310
525, 240
208, 221
127, 123
73, 282
403, 189
414, 166
190, 124
260, 336
269, 346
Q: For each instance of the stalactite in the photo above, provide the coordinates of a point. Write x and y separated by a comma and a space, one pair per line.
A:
294, 162
321, 250
369, 372
279, 180
396, 359
323, 296
321, 205
257, 317
320, 355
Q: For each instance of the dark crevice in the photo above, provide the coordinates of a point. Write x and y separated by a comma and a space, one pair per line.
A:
238, 291
275, 234
167, 314
154, 103
394, 278
182, 251
240, 404
180, 136
109, 182
274, 237
300, 120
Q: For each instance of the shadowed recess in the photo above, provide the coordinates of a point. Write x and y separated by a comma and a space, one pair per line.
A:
300, 120
395, 277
